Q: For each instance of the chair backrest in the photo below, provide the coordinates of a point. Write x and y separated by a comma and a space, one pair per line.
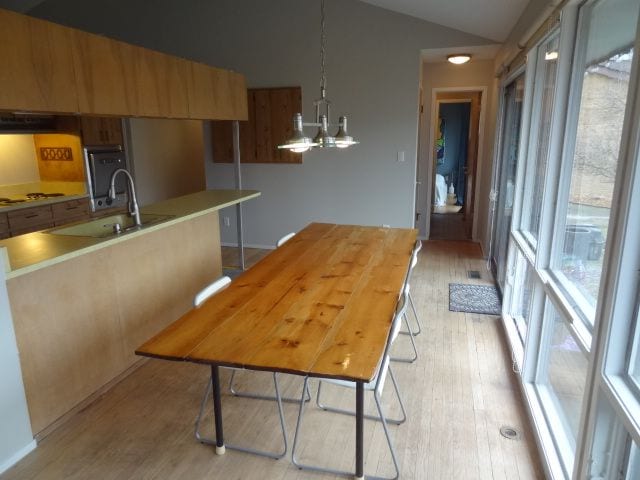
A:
210, 290
414, 255
401, 310
284, 239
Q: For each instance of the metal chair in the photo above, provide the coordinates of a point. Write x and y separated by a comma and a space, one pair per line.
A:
405, 318
200, 298
235, 392
284, 239
376, 386
414, 262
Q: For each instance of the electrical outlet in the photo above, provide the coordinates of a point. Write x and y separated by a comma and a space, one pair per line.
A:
227, 222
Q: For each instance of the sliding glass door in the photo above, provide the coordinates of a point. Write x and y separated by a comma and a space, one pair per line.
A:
510, 140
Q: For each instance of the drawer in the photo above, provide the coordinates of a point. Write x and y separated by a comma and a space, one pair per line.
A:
70, 209
4, 225
29, 217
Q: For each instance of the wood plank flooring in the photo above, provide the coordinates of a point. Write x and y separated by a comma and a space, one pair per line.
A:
458, 394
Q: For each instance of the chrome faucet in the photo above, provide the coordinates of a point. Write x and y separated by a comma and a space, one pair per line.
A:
132, 200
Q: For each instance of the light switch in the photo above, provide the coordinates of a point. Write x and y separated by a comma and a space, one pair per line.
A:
401, 156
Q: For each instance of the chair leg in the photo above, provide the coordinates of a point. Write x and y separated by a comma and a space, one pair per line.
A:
314, 468
257, 396
394, 421
386, 433
413, 345
210, 441
415, 314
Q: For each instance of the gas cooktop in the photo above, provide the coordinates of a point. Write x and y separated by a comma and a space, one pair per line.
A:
29, 197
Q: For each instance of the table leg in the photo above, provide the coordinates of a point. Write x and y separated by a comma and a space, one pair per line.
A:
359, 430
217, 409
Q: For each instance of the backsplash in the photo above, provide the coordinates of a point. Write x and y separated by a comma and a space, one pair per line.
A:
68, 188
59, 157
18, 163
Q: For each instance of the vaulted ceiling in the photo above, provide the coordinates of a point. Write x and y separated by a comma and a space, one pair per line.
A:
491, 19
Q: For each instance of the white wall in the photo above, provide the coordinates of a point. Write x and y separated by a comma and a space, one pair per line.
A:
373, 68
476, 73
167, 158
18, 162
16, 439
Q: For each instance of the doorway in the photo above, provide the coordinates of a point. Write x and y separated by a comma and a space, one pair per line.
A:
455, 157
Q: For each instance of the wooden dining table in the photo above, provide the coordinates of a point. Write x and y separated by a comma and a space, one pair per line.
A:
321, 305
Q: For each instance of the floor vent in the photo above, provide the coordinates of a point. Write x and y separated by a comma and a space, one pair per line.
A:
509, 432
473, 274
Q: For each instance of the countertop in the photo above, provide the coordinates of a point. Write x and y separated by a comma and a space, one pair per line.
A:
33, 251
40, 202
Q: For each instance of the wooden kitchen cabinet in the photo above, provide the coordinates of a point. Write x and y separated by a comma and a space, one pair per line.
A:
101, 65
27, 220
101, 130
71, 211
4, 226
158, 85
36, 65
216, 94
34, 219
269, 124
45, 67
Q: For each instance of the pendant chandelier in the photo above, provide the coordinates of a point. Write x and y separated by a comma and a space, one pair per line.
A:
299, 142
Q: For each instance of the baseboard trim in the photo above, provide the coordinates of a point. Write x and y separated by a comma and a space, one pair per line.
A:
248, 245
19, 455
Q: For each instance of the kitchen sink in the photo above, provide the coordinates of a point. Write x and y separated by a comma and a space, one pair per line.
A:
110, 226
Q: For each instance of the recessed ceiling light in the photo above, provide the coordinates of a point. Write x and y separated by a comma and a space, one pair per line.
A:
459, 58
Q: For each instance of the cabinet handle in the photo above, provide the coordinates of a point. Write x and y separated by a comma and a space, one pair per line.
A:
34, 215
72, 208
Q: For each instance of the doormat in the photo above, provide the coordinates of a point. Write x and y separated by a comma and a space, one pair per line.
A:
481, 299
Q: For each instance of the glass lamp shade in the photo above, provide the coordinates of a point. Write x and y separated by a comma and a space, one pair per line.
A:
342, 138
322, 138
298, 143
459, 58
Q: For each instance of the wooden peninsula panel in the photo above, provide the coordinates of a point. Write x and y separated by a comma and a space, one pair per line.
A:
78, 322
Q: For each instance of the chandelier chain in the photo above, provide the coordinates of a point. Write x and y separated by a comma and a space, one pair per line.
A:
323, 75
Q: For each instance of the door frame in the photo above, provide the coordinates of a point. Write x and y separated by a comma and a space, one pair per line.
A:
430, 177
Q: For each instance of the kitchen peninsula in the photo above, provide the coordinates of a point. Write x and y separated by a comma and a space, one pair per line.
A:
81, 305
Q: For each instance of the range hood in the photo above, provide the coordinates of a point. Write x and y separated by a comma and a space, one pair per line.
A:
27, 123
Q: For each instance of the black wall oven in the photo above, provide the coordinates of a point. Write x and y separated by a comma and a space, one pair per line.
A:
100, 162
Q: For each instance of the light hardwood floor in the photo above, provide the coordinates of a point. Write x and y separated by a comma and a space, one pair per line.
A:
458, 395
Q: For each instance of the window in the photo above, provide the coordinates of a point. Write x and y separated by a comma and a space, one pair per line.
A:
576, 206
601, 83
560, 380
523, 296
542, 106
634, 358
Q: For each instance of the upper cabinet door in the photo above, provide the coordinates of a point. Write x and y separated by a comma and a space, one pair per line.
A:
216, 94
101, 66
36, 66
157, 85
